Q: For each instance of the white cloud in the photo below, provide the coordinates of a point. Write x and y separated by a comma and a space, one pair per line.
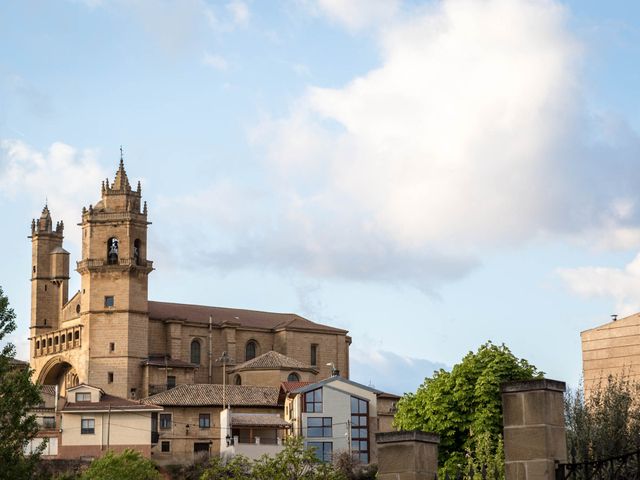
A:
215, 61
358, 14
622, 285
239, 12
472, 134
389, 371
64, 175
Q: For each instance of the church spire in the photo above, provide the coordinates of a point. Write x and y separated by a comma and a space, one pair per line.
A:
121, 182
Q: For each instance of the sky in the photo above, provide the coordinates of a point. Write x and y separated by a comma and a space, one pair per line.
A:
429, 175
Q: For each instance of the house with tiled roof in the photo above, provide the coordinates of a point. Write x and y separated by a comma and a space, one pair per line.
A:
272, 368
195, 424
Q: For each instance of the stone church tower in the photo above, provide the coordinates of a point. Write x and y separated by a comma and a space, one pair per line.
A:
111, 336
106, 323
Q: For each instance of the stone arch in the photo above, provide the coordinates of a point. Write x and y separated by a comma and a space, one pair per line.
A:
58, 371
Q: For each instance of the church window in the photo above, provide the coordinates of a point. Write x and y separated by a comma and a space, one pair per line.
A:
250, 350
293, 377
45, 288
76, 335
34, 269
237, 380
45, 321
133, 392
49, 341
314, 354
56, 339
38, 345
78, 308
69, 337
112, 251
112, 347
195, 352
136, 251
109, 377
108, 301
171, 381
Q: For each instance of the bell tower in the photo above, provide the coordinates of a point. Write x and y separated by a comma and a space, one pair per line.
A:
114, 285
49, 274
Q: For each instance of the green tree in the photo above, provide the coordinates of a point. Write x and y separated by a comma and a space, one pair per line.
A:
17, 396
128, 465
606, 423
464, 406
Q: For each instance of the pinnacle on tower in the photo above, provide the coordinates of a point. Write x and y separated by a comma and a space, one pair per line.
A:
121, 182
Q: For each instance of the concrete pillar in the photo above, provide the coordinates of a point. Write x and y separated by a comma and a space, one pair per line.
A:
407, 455
534, 431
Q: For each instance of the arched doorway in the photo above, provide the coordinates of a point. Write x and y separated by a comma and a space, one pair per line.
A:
58, 371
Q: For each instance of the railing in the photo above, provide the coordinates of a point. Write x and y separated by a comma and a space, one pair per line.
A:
57, 341
620, 467
46, 423
101, 262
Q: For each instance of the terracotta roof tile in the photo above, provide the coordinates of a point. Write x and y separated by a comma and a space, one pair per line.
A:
244, 318
271, 360
106, 401
211, 395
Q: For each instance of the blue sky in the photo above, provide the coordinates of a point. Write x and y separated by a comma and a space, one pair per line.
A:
429, 175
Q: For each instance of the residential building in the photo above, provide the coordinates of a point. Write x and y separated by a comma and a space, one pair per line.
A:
611, 349
110, 335
335, 415
192, 425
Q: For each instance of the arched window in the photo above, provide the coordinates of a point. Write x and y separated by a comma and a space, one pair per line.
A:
195, 352
78, 308
136, 252
293, 377
55, 340
237, 380
250, 350
112, 251
38, 345
76, 335
49, 342
69, 337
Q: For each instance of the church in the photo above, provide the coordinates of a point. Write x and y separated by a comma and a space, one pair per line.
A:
111, 336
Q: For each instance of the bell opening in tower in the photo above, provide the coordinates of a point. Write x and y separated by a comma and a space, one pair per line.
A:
112, 251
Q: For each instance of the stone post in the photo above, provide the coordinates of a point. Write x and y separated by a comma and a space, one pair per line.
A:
534, 432
407, 455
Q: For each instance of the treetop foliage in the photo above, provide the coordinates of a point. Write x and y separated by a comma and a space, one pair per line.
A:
465, 404
127, 465
17, 396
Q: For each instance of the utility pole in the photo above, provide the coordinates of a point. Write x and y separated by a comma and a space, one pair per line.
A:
210, 349
108, 427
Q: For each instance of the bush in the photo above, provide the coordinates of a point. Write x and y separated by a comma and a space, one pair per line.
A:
129, 465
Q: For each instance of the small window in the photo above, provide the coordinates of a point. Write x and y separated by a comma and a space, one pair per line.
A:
314, 355
34, 269
293, 377
165, 446
83, 397
165, 421
237, 380
204, 420
56, 340
49, 422
133, 392
250, 350
195, 352
49, 341
112, 347
88, 426
171, 381
45, 288
319, 427
108, 301
45, 322
313, 401
110, 377
37, 344
78, 308
76, 335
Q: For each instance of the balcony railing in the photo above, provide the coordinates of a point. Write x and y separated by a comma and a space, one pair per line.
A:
57, 341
